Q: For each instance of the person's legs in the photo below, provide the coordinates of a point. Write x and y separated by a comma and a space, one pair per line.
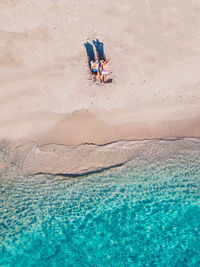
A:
94, 75
101, 77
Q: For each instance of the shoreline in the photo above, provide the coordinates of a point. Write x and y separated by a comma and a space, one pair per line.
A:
85, 159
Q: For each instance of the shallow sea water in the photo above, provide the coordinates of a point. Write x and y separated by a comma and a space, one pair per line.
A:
146, 213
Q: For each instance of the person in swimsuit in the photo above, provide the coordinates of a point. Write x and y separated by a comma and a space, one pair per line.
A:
94, 69
104, 70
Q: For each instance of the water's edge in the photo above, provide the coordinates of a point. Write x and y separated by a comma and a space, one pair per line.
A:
85, 159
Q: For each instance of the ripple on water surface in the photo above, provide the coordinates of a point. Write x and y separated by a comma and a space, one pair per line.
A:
145, 213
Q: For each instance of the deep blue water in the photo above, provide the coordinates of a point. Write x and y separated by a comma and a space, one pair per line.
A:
146, 213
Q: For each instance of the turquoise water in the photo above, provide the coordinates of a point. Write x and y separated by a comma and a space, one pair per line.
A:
146, 213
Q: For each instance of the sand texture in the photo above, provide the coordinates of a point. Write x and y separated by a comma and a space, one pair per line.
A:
46, 93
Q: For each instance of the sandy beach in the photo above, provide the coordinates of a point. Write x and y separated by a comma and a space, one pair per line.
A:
46, 93
91, 173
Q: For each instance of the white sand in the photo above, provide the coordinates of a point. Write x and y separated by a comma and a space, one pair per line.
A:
154, 47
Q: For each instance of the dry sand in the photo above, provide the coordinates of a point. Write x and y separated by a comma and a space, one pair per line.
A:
45, 90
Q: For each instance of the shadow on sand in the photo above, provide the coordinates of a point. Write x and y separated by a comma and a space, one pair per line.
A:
100, 49
109, 80
99, 46
90, 52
